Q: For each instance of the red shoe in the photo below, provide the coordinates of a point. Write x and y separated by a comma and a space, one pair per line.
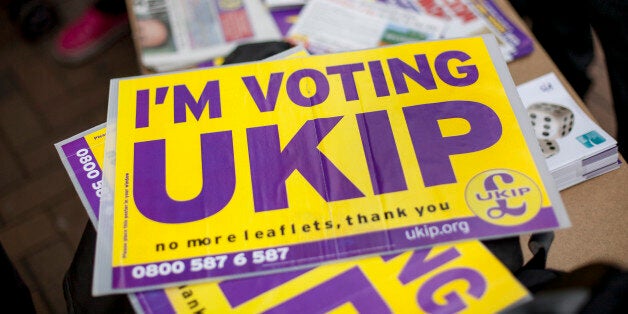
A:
89, 35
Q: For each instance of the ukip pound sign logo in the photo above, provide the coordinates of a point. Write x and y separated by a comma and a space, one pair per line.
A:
503, 197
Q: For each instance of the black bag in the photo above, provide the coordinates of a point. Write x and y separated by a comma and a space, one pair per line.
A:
591, 288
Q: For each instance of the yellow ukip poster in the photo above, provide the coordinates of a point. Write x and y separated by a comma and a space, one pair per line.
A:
271, 166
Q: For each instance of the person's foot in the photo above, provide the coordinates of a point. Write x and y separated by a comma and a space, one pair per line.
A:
89, 35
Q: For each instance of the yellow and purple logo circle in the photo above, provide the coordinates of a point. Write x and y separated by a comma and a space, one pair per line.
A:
503, 197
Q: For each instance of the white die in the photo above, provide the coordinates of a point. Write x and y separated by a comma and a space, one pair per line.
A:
548, 147
550, 121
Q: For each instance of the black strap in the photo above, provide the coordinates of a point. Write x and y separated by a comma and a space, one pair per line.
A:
539, 244
77, 283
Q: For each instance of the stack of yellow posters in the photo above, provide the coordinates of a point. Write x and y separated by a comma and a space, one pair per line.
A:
268, 185
461, 277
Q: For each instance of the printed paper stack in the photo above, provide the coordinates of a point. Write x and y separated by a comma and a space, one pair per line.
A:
264, 186
576, 147
174, 35
325, 26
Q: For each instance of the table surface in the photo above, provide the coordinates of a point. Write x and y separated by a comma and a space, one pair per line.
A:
597, 208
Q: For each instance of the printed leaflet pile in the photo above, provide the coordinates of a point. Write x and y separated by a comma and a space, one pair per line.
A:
576, 147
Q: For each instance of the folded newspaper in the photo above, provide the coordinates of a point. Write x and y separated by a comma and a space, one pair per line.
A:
174, 34
281, 165
326, 26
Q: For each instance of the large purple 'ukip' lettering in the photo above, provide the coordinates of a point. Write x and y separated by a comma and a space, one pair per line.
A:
271, 166
149, 183
432, 149
381, 153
